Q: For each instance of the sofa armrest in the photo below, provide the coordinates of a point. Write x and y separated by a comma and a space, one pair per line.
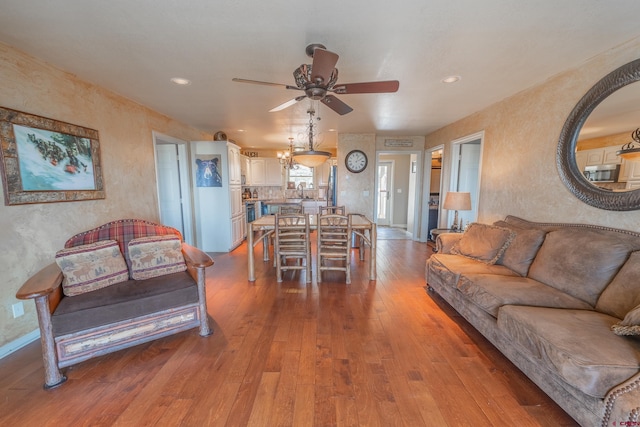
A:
622, 403
445, 241
44, 282
195, 257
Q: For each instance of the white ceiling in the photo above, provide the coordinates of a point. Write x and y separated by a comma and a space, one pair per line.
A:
134, 48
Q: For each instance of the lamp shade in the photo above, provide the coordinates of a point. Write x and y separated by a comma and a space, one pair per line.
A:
458, 201
311, 158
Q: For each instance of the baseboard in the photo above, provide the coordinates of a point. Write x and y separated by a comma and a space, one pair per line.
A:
16, 345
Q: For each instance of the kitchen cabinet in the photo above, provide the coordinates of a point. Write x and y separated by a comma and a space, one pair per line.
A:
600, 156
312, 207
322, 174
610, 157
245, 169
594, 157
266, 172
629, 171
632, 185
218, 210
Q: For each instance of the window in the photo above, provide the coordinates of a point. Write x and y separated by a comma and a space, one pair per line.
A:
303, 174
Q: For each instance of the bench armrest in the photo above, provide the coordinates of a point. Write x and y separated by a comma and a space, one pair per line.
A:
44, 282
195, 257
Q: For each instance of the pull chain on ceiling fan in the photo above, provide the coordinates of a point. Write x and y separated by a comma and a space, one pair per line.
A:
319, 80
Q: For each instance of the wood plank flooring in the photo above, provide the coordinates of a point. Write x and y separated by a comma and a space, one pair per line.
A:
383, 353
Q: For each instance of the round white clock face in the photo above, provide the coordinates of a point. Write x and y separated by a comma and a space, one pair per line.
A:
356, 161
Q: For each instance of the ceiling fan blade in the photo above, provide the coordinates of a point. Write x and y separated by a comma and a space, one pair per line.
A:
256, 82
289, 103
336, 105
368, 87
323, 64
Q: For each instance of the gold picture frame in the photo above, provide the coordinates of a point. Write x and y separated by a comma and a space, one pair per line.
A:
43, 160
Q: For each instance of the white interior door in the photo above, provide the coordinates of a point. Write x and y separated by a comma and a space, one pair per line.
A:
174, 194
385, 187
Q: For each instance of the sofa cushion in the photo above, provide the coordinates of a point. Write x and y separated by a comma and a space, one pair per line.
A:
90, 267
523, 248
123, 301
453, 266
630, 325
581, 261
490, 292
155, 256
623, 293
483, 242
593, 363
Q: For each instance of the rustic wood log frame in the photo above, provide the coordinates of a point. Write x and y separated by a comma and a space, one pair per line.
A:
58, 352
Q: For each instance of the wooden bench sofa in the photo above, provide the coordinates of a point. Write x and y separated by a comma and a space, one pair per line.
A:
118, 285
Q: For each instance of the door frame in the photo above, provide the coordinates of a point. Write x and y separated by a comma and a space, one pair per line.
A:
455, 170
185, 181
419, 185
392, 168
424, 230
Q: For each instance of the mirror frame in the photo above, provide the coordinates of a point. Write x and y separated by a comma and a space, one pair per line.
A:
566, 152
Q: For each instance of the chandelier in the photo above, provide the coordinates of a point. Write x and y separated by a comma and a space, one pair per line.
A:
631, 150
311, 158
286, 158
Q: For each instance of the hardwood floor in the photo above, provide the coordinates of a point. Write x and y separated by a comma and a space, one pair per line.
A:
384, 353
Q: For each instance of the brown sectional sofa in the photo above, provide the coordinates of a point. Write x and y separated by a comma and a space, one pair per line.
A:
549, 296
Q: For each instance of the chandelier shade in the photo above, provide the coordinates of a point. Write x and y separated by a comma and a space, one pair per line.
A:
311, 158
631, 150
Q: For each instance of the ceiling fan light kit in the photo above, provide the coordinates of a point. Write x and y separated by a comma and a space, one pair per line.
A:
320, 78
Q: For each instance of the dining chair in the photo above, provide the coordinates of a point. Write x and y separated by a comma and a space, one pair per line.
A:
334, 233
292, 242
336, 210
294, 209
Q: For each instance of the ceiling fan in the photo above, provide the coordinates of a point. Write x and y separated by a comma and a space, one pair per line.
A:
319, 80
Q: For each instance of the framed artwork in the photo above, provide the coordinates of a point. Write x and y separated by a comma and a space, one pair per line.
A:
208, 170
44, 161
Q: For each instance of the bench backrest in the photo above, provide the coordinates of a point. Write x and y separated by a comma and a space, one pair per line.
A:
122, 231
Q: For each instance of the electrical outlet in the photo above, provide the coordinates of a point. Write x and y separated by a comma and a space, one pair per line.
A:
18, 309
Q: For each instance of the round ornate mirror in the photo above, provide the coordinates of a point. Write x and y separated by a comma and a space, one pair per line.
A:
566, 161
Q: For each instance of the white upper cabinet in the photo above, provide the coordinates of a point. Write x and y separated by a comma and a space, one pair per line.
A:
266, 171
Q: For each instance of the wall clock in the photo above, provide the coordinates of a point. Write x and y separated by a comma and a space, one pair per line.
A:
356, 161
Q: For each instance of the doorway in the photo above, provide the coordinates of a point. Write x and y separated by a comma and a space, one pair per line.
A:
385, 185
465, 173
174, 190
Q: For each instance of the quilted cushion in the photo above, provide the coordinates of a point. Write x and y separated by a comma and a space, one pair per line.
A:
483, 242
90, 267
155, 256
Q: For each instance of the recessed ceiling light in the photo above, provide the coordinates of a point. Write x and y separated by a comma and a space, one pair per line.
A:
180, 81
451, 79
240, 130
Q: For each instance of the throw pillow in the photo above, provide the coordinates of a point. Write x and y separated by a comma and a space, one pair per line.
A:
523, 249
155, 256
630, 325
90, 267
483, 242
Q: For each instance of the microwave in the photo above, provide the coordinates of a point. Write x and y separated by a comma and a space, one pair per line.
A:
602, 173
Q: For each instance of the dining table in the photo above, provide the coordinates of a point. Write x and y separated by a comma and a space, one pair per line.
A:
262, 228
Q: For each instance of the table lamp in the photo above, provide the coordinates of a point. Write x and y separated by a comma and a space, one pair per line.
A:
457, 201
